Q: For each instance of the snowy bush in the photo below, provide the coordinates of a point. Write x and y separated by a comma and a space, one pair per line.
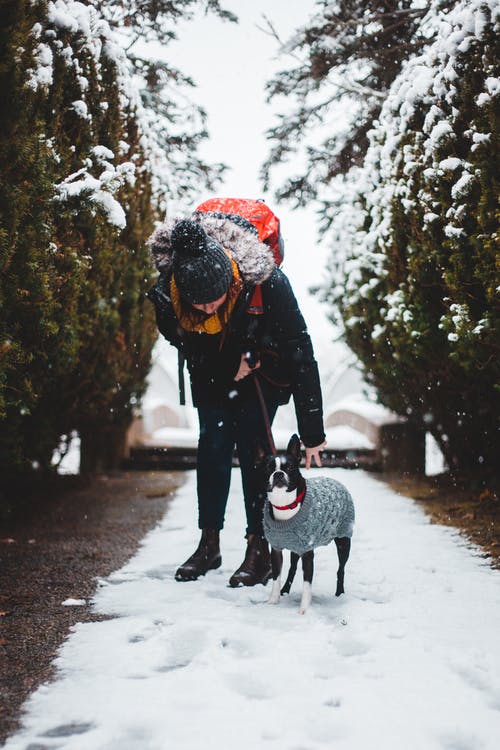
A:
344, 61
171, 124
415, 242
95, 140
77, 204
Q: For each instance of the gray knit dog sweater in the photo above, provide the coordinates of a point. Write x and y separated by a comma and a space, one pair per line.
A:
327, 512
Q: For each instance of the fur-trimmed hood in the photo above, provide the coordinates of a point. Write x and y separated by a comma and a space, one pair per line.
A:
255, 259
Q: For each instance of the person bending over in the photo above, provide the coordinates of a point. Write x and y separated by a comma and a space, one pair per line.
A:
209, 267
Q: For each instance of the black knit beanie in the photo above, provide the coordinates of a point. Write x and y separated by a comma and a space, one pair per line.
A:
201, 268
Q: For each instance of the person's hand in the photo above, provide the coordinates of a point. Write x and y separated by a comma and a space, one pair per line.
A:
314, 453
245, 368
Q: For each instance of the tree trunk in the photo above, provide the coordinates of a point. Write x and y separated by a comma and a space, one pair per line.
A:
102, 449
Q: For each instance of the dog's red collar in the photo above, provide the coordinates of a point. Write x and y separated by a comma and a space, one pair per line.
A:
296, 502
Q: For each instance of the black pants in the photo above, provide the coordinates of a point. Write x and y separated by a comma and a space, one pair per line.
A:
238, 422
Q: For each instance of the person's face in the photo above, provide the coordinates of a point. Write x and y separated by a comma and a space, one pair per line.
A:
210, 307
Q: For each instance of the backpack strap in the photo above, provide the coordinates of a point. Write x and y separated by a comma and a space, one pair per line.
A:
256, 306
180, 373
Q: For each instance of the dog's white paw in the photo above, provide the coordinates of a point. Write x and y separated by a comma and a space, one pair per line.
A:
306, 598
275, 596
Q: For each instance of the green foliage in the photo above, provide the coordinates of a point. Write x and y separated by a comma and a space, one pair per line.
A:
76, 207
86, 162
29, 271
420, 304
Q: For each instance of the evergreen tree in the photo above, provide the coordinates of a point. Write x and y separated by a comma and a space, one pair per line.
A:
81, 188
174, 121
106, 209
345, 60
37, 341
416, 280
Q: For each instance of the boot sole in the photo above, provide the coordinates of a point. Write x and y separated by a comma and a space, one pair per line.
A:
182, 577
240, 584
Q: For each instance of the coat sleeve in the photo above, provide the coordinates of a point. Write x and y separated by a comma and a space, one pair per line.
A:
165, 318
288, 328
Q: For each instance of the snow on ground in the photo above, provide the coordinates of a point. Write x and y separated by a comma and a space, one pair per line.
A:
408, 658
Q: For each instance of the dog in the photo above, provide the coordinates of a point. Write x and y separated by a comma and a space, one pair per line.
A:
301, 515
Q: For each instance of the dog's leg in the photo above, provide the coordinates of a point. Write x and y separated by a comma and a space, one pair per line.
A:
276, 565
343, 548
294, 559
308, 569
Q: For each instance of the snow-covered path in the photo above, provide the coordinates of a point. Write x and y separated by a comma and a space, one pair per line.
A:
408, 658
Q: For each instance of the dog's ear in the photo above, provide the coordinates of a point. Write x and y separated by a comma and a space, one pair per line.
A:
294, 448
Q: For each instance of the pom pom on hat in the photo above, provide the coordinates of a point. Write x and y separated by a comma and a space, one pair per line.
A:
189, 238
201, 268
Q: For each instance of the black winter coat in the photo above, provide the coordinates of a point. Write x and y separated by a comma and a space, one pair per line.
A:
278, 338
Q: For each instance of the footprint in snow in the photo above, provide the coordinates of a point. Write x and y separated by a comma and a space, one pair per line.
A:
377, 597
351, 646
226, 594
68, 730
160, 574
173, 528
326, 730
479, 679
183, 645
460, 741
333, 703
236, 647
248, 686
396, 635
172, 667
156, 627
118, 580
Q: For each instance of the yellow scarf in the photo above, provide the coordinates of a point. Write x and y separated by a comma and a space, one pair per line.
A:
195, 320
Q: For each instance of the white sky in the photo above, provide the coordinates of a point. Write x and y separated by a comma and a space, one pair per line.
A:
231, 64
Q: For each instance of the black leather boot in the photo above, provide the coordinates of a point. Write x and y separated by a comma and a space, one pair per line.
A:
206, 557
256, 567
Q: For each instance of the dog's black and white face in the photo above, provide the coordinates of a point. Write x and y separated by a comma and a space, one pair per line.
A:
281, 473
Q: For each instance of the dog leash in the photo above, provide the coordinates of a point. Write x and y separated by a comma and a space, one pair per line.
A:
267, 422
265, 414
